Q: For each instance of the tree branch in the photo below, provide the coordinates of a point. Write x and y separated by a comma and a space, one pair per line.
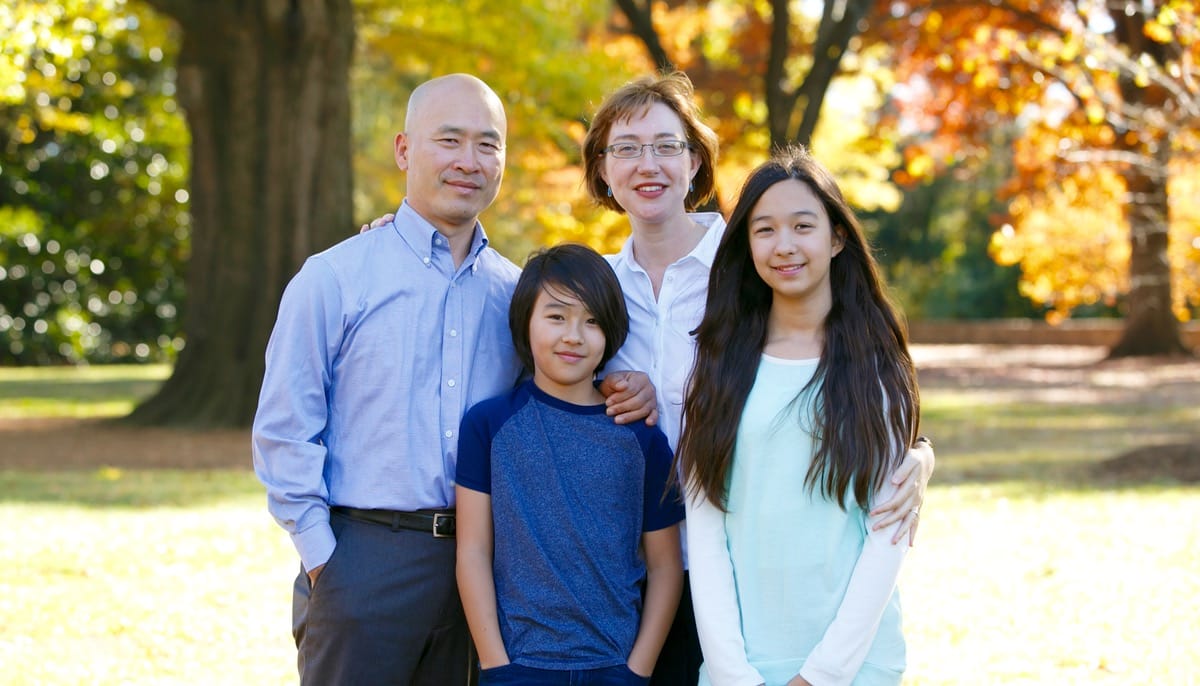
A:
642, 25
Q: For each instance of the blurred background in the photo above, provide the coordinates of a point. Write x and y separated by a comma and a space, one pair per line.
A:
165, 165
1028, 171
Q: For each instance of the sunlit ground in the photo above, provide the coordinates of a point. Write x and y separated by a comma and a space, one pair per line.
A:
1027, 569
1008, 584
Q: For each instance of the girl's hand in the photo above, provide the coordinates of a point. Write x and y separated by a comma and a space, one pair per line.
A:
911, 478
375, 224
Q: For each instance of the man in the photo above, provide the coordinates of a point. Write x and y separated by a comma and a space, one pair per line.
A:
380, 345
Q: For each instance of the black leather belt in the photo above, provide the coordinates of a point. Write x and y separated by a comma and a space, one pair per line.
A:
440, 523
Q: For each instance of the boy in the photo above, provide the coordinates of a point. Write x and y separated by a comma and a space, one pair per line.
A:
558, 595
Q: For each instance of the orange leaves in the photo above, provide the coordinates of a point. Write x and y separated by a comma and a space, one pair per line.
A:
1086, 102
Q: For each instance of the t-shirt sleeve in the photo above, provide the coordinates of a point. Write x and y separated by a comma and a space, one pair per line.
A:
474, 469
662, 507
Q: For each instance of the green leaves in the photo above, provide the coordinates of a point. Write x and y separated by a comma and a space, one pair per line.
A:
93, 168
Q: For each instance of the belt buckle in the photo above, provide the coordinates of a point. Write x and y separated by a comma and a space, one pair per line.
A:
443, 525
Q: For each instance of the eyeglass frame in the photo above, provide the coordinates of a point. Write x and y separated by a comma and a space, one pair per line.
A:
608, 150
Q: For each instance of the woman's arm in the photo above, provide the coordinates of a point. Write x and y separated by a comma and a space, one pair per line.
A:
474, 573
664, 583
843, 648
910, 479
714, 595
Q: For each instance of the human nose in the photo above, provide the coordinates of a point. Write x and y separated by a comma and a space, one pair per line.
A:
785, 244
573, 333
648, 160
467, 159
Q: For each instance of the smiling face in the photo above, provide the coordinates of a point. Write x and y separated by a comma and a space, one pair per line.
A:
453, 151
650, 189
792, 243
567, 343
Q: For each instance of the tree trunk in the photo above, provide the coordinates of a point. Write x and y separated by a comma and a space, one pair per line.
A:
265, 90
840, 23
1150, 326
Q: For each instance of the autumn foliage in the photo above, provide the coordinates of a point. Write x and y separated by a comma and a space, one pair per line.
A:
1105, 107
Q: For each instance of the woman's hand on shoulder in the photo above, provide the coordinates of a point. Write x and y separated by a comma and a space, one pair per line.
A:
630, 396
376, 223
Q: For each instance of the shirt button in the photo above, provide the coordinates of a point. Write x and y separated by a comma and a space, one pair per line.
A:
453, 333
426, 261
450, 383
449, 433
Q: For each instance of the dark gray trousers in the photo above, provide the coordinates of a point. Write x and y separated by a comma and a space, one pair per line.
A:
385, 610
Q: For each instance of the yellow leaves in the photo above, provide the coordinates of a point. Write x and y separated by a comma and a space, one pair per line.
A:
748, 107
1070, 50
919, 165
982, 34
1158, 31
933, 22
1070, 241
1184, 247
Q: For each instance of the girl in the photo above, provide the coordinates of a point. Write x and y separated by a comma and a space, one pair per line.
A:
802, 402
554, 499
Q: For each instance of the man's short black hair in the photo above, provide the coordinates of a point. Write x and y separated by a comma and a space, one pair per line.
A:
582, 272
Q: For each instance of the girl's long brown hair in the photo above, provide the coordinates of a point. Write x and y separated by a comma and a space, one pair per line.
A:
867, 406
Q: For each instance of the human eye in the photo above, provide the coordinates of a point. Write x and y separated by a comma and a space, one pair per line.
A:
447, 141
490, 147
669, 148
760, 230
625, 149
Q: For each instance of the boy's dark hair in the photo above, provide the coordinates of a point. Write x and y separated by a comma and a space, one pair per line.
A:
582, 272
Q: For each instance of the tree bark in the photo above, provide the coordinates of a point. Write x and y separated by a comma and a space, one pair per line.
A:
641, 24
265, 88
840, 23
1150, 326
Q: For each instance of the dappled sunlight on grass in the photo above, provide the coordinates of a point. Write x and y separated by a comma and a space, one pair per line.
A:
100, 391
182, 595
110, 487
1029, 568
981, 437
1054, 587
1010, 583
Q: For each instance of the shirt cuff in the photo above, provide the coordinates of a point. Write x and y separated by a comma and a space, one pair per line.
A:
315, 545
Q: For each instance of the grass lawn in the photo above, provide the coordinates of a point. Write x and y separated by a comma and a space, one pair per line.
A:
1030, 568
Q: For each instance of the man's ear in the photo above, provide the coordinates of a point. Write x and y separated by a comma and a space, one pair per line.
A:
401, 151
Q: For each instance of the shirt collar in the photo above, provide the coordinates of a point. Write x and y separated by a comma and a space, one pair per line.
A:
704, 252
422, 236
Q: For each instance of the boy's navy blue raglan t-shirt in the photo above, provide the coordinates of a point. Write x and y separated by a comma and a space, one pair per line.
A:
572, 493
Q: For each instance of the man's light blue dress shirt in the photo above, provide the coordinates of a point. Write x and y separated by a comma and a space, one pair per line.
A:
379, 348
